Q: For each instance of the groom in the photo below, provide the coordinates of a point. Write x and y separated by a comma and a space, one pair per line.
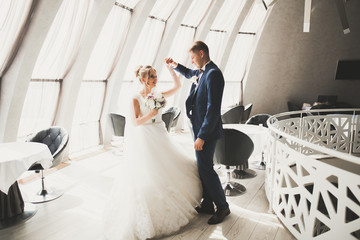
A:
203, 109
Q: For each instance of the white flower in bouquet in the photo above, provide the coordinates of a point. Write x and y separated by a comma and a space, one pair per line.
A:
155, 101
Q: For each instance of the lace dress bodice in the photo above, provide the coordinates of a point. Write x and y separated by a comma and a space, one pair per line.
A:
145, 110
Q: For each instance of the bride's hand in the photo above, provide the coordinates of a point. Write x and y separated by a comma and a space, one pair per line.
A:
153, 112
170, 62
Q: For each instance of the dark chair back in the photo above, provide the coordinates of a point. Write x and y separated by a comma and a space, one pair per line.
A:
246, 114
259, 119
177, 112
234, 148
168, 118
233, 115
118, 122
56, 138
293, 107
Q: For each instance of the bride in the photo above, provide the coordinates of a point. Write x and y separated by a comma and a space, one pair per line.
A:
158, 188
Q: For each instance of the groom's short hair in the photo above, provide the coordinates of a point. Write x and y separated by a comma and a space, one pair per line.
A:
199, 45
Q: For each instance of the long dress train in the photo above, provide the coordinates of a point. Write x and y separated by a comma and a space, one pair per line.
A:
157, 189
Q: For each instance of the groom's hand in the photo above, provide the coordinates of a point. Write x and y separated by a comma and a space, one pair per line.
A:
198, 144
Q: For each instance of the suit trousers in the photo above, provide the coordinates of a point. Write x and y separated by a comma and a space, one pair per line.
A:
212, 189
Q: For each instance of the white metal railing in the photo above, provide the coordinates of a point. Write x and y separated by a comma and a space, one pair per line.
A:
313, 172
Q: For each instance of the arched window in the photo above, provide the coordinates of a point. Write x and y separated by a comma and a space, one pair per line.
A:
54, 61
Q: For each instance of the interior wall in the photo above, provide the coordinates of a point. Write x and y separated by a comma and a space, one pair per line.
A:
290, 65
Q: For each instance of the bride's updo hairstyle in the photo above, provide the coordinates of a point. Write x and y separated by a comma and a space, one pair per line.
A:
143, 71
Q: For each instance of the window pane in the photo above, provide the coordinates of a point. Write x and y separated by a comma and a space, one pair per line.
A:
39, 107
84, 136
13, 15
163, 8
108, 45
196, 12
128, 3
216, 42
62, 41
231, 94
85, 131
255, 18
146, 46
179, 49
228, 15
235, 67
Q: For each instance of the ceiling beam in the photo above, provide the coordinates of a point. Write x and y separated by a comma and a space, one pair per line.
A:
340, 4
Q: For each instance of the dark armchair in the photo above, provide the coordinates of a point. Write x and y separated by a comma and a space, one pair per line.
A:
118, 122
258, 119
177, 112
246, 114
168, 118
56, 138
233, 149
233, 115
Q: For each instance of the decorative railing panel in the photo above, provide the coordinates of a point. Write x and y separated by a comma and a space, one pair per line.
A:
313, 173
356, 144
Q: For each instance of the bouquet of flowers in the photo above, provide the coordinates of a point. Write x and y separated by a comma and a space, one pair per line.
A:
155, 101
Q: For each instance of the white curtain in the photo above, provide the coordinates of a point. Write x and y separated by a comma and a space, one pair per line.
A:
163, 9
179, 52
54, 61
196, 12
62, 41
108, 45
255, 18
240, 56
146, 46
128, 3
228, 15
216, 42
145, 50
235, 68
13, 16
221, 27
86, 130
39, 107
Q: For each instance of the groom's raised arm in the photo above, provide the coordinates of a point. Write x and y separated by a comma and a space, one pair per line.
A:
187, 72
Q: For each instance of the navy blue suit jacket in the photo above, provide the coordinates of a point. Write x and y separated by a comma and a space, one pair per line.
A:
203, 105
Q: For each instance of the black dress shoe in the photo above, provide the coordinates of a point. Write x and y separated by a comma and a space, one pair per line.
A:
206, 210
219, 216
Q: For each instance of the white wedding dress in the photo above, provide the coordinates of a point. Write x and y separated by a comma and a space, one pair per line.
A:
158, 187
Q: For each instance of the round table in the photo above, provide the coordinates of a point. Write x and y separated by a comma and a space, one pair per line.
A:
15, 159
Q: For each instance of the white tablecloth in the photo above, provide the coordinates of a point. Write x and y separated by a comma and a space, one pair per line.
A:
17, 157
255, 132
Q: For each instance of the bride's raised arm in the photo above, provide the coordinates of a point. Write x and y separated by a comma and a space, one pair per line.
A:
176, 79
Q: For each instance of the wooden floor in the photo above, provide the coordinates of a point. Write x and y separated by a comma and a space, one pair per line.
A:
87, 182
